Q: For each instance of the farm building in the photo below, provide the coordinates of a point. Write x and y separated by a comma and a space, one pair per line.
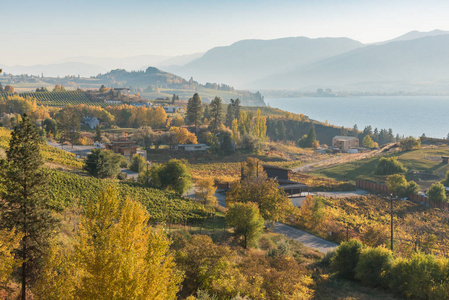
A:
191, 147
344, 143
126, 148
281, 175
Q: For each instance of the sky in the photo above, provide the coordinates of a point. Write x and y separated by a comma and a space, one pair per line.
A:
47, 31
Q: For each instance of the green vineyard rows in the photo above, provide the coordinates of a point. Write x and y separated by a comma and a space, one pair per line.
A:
67, 189
60, 99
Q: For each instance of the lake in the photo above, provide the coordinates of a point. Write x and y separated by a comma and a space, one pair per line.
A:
406, 115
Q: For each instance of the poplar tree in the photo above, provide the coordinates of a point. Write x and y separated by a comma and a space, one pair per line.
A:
24, 199
116, 256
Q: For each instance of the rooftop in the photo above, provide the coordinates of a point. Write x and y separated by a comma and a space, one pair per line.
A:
344, 137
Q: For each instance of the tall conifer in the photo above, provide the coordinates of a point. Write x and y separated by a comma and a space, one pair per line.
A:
24, 207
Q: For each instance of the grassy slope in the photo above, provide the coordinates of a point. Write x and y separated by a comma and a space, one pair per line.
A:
416, 160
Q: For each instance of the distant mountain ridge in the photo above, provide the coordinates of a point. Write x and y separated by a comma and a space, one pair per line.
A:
407, 62
247, 60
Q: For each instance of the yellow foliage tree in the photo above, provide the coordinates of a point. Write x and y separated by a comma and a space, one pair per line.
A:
205, 191
183, 136
9, 240
116, 256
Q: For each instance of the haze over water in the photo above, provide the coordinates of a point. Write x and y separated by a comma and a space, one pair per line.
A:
406, 115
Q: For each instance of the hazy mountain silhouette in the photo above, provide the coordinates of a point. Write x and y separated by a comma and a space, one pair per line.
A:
247, 60
413, 35
54, 70
415, 61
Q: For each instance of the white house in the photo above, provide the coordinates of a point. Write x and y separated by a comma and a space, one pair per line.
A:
123, 91
93, 122
345, 143
192, 147
171, 109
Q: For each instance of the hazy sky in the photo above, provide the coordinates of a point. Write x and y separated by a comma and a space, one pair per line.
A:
33, 31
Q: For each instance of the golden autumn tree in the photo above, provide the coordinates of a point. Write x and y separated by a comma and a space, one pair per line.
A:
9, 240
183, 136
205, 191
116, 256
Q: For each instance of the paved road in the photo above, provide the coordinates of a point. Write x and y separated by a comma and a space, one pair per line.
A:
357, 192
305, 238
220, 197
76, 149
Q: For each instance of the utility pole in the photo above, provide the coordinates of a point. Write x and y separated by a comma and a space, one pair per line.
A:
391, 221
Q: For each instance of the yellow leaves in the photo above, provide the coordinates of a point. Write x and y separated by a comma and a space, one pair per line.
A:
205, 191
9, 240
183, 136
116, 256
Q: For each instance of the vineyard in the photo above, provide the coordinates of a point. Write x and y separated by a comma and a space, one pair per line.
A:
49, 153
71, 190
59, 99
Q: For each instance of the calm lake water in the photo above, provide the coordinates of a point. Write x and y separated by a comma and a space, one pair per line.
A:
406, 115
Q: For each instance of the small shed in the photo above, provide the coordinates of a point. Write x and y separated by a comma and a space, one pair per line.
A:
445, 159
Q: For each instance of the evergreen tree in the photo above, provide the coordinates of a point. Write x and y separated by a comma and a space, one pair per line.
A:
1, 88
311, 136
206, 113
236, 104
216, 114
24, 204
97, 137
343, 131
194, 110
355, 130
230, 115
103, 164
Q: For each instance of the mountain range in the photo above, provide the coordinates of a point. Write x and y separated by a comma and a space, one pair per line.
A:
415, 61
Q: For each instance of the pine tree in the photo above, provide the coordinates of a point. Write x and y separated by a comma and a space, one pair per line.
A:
216, 113
230, 115
237, 106
194, 110
97, 137
24, 207
355, 131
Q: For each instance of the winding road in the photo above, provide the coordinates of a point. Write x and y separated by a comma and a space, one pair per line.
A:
305, 238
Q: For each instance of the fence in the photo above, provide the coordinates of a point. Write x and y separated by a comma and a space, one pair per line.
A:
381, 188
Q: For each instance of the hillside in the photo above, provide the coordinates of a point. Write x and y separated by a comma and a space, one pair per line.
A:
424, 166
409, 63
151, 84
248, 60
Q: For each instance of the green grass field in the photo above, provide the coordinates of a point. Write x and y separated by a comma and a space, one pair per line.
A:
424, 161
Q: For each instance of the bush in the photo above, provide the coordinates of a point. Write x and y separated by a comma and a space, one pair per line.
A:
122, 176
420, 277
389, 166
410, 143
137, 163
437, 193
374, 266
346, 258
